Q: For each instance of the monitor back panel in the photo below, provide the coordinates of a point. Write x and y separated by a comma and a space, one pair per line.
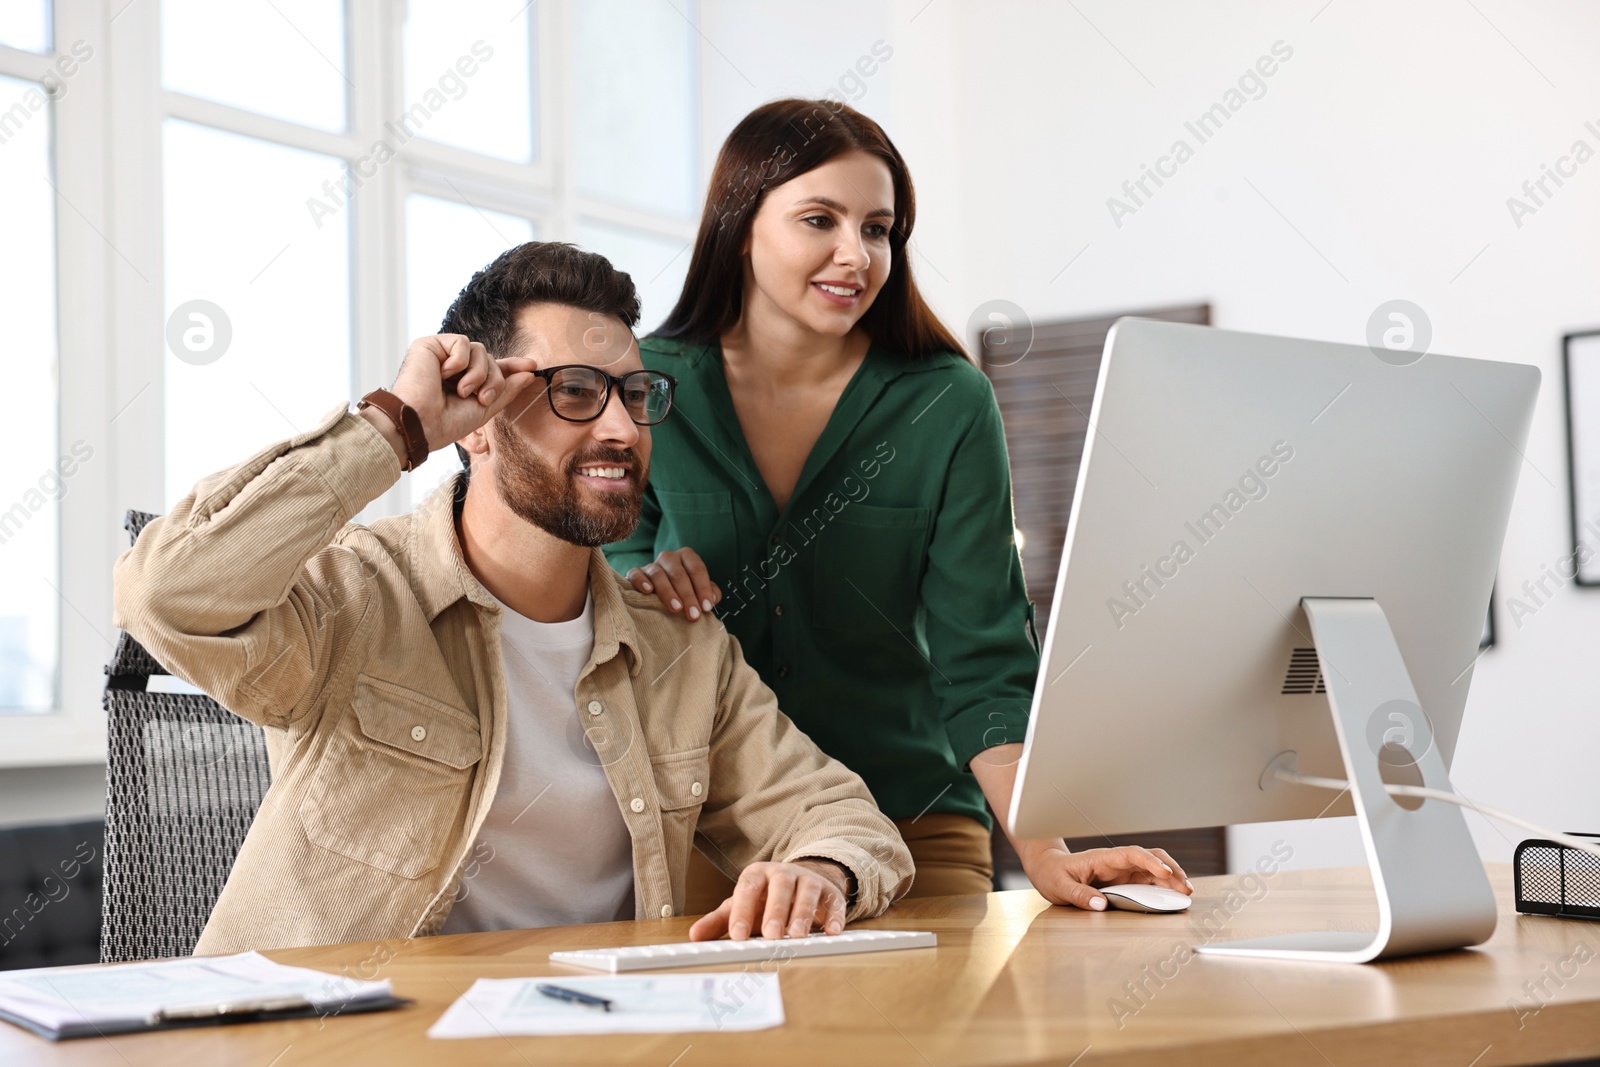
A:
1227, 476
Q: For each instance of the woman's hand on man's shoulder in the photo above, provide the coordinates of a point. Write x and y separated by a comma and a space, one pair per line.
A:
679, 577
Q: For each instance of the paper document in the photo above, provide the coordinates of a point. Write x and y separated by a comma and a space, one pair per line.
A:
119, 997
656, 1004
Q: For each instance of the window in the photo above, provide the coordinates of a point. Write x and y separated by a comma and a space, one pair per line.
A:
656, 264
446, 241
257, 300
470, 67
30, 483
283, 58
259, 206
633, 106
25, 24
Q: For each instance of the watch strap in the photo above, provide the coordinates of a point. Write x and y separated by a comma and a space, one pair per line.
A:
406, 420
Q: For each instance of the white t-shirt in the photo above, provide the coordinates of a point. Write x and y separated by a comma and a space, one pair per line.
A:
554, 850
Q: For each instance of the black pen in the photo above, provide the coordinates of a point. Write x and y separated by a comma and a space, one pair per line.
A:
561, 993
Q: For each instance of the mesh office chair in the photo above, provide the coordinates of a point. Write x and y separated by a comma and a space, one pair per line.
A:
184, 778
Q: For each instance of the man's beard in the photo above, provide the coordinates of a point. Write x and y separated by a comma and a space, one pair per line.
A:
550, 499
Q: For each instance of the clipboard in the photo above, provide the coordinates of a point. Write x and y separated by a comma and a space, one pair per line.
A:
96, 1000
221, 1014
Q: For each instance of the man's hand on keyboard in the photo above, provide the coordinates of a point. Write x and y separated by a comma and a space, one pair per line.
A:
782, 899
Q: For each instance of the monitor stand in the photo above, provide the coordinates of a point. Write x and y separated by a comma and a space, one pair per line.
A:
1433, 894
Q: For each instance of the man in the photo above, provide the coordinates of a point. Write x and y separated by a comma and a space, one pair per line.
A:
473, 722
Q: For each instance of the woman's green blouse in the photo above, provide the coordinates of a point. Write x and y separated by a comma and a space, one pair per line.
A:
885, 604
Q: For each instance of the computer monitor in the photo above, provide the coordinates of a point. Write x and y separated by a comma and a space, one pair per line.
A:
1279, 556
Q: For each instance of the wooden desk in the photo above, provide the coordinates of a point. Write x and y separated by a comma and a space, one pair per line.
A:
1013, 981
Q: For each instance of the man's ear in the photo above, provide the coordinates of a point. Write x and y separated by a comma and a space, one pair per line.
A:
477, 442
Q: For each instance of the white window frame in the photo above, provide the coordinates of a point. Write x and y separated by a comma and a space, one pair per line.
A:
108, 163
74, 732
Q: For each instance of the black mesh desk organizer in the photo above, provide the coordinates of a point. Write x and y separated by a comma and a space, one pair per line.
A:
1553, 879
184, 777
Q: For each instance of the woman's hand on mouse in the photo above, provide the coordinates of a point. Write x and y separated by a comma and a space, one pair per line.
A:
680, 579
1064, 877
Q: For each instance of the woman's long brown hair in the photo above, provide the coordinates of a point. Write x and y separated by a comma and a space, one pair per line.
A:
774, 143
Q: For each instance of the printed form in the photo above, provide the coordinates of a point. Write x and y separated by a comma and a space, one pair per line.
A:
653, 1004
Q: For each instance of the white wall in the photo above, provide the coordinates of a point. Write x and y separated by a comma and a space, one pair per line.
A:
1376, 165
30, 795
753, 53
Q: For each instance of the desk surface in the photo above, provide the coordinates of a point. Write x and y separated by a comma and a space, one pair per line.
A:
1013, 981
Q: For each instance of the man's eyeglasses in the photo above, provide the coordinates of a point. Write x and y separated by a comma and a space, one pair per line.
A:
579, 392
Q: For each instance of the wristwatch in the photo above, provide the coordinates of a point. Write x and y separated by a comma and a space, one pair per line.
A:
406, 420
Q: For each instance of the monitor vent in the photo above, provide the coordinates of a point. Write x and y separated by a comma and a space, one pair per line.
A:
1304, 674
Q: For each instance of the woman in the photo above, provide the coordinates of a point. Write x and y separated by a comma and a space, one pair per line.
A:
834, 483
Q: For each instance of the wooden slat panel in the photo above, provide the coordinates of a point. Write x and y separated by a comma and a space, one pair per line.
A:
1045, 398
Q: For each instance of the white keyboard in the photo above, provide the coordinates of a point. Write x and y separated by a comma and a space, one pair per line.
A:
702, 953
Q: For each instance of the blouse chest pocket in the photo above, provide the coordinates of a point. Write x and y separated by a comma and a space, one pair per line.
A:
393, 781
870, 561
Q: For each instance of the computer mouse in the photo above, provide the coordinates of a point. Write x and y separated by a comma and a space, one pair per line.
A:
1137, 896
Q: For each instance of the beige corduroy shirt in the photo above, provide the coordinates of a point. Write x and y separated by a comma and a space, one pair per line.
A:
371, 655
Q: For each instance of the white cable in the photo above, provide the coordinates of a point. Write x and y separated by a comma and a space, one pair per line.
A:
1336, 784
1581, 844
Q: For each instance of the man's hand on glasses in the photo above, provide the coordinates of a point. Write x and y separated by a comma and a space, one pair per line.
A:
484, 386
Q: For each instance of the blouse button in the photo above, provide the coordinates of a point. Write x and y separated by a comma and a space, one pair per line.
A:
666, 911
697, 789
418, 733
637, 805
594, 707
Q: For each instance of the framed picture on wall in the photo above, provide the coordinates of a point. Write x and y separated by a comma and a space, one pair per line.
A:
1580, 368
